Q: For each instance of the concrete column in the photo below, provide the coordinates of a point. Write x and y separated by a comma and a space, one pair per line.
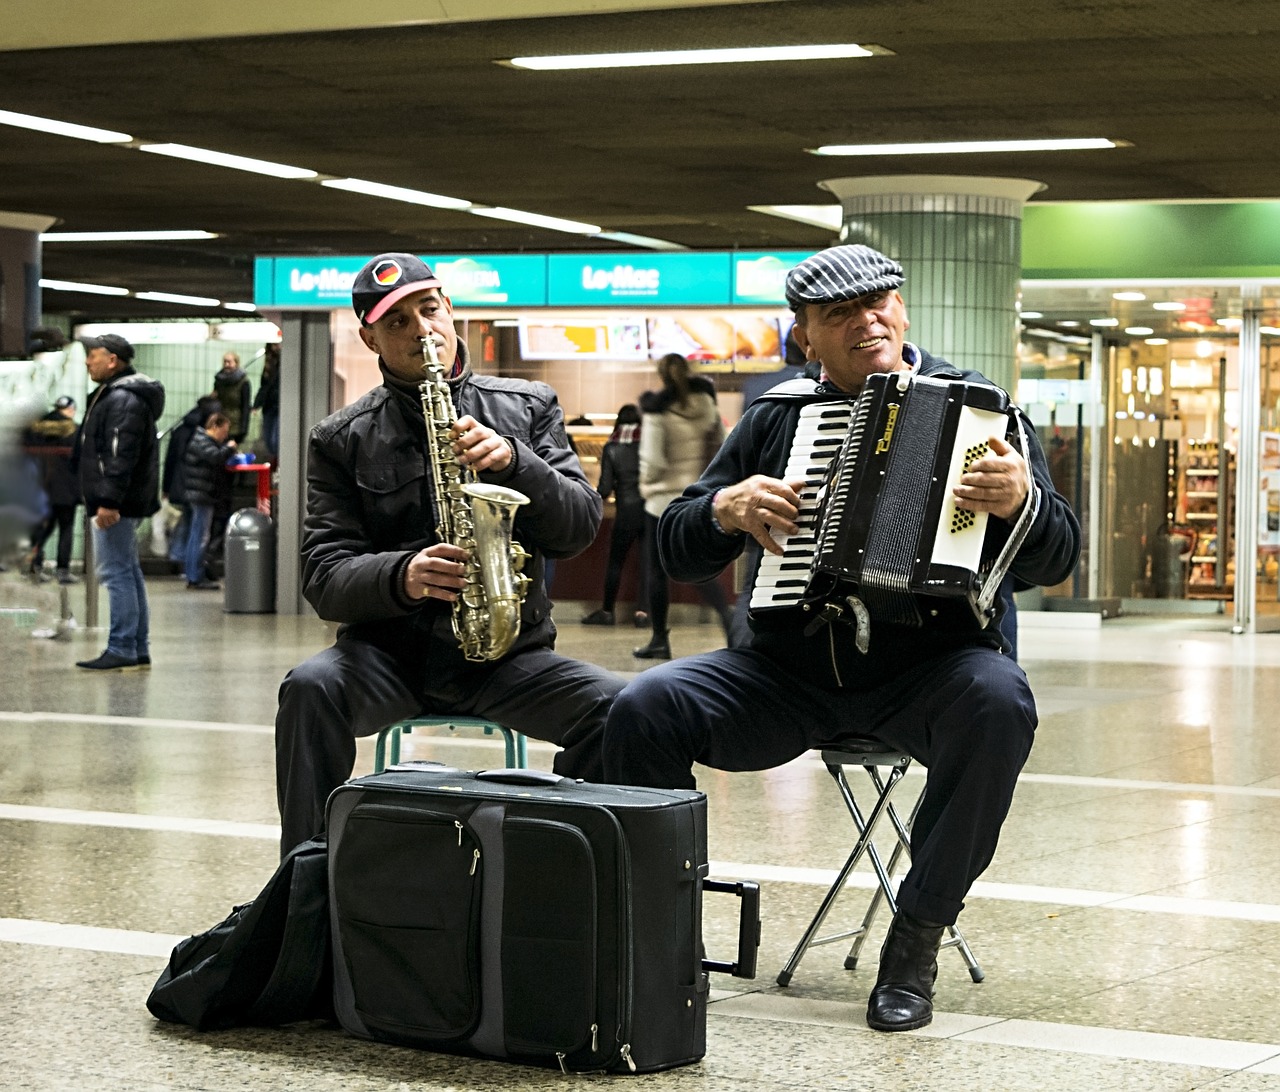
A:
960, 241
19, 279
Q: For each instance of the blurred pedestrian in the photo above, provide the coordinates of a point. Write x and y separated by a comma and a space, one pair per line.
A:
620, 476
51, 441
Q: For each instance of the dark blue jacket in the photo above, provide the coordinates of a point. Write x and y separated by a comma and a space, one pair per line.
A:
118, 457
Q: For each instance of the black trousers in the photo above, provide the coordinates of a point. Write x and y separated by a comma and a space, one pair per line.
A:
627, 531
968, 716
660, 588
357, 689
63, 517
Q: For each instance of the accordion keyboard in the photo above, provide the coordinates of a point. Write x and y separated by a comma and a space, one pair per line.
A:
781, 580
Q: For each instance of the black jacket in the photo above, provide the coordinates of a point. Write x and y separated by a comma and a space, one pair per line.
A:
51, 440
370, 508
173, 480
118, 457
204, 468
620, 475
234, 391
693, 549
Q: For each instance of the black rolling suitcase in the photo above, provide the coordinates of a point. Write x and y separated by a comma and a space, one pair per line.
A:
514, 914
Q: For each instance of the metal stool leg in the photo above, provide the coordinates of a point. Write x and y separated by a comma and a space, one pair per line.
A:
811, 938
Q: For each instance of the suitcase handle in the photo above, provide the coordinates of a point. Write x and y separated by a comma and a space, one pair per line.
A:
748, 927
522, 777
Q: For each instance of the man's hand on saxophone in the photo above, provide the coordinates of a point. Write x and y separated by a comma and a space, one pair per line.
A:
478, 447
436, 573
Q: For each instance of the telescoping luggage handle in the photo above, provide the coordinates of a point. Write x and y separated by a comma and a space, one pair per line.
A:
749, 893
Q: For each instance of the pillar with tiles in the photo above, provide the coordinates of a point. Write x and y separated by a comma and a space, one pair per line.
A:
19, 279
959, 239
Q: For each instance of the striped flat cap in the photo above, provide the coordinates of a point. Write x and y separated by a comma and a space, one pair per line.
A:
842, 273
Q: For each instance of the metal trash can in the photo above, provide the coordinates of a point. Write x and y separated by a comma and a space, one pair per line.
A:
249, 583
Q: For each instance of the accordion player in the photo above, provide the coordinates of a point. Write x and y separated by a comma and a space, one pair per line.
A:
884, 539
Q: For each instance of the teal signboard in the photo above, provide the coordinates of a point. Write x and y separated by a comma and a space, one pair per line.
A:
517, 280
638, 278
632, 279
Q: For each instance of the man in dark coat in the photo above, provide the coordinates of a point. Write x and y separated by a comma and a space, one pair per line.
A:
373, 561
206, 463
119, 464
173, 480
947, 692
51, 441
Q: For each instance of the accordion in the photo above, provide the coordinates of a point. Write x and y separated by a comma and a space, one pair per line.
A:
880, 535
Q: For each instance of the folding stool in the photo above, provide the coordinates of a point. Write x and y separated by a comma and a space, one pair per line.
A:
872, 756
389, 738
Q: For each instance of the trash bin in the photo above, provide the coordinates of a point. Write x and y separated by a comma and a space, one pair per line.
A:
249, 557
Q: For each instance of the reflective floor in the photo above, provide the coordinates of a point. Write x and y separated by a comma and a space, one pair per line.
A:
1128, 927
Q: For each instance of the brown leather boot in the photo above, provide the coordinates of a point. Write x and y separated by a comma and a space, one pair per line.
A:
903, 996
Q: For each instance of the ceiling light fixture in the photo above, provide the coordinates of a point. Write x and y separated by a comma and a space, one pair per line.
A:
1032, 314
1133, 297
535, 219
396, 193
1156, 341
63, 128
174, 297
77, 286
1104, 322
1168, 305
240, 306
823, 216
124, 236
955, 147
653, 58
225, 159
1139, 331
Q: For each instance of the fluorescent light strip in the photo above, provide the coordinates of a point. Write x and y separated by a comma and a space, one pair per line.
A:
1168, 305
240, 306
823, 216
124, 236
174, 297
63, 128
225, 159
654, 58
954, 147
534, 219
76, 286
396, 193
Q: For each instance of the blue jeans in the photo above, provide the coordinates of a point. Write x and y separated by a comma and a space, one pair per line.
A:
178, 536
116, 550
198, 541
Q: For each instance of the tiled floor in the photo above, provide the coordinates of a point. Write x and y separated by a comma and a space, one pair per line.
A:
1128, 927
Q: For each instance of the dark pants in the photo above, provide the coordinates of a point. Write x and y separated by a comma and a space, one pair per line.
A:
660, 589
356, 689
627, 531
968, 716
63, 517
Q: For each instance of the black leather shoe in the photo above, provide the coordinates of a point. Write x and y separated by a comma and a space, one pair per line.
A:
109, 661
658, 648
903, 996
599, 618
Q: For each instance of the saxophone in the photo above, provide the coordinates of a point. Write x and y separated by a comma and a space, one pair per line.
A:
477, 517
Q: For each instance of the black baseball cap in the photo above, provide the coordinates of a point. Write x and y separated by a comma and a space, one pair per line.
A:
113, 343
386, 279
842, 273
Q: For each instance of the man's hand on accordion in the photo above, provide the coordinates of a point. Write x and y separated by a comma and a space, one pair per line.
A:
758, 505
997, 483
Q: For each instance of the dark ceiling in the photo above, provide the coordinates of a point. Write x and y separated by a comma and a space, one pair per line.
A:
675, 153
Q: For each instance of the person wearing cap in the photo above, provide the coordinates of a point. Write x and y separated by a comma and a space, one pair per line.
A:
371, 559
951, 697
118, 460
51, 441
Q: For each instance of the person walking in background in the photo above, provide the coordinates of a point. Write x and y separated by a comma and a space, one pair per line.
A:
620, 476
268, 400
173, 480
206, 461
680, 431
234, 392
118, 460
51, 441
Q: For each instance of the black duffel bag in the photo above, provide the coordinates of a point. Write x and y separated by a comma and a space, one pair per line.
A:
270, 962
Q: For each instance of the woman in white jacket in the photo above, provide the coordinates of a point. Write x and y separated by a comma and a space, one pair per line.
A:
680, 431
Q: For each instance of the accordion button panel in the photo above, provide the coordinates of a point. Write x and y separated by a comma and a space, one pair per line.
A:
781, 580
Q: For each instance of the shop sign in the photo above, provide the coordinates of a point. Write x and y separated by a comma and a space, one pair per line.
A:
577, 280
759, 278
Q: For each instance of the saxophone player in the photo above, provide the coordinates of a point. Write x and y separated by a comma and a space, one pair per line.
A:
372, 561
